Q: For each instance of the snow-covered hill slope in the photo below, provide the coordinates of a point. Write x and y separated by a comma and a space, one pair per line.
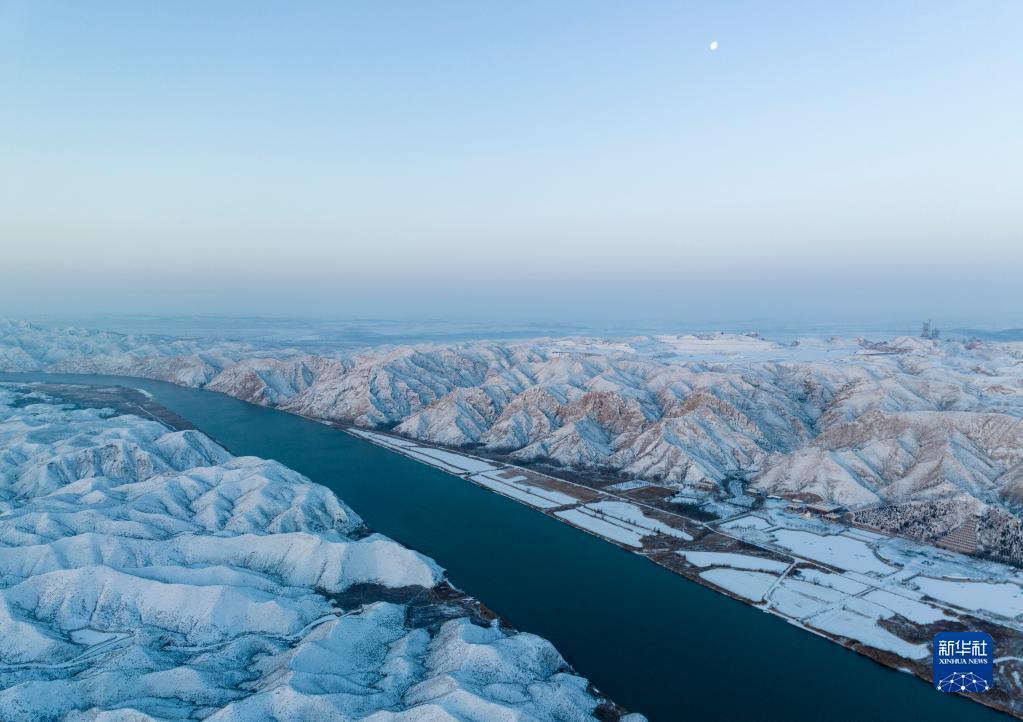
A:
859, 423
147, 574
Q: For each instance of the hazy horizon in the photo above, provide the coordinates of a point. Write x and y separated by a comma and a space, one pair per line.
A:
568, 163
323, 334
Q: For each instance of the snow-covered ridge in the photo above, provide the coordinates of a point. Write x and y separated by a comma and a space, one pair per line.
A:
856, 422
147, 574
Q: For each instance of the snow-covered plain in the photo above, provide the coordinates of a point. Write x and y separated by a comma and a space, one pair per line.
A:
147, 575
751, 586
612, 529
733, 561
516, 486
1002, 598
859, 622
911, 609
634, 516
619, 521
838, 550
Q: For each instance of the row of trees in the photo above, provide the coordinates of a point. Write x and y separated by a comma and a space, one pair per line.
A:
1001, 536
926, 521
999, 532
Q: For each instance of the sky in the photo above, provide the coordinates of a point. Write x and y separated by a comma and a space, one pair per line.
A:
514, 160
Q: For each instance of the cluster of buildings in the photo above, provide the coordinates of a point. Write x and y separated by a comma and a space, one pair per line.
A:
823, 509
929, 332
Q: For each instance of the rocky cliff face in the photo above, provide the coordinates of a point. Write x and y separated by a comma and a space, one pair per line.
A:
855, 422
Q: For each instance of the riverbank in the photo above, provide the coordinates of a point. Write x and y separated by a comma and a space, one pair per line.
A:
122, 399
647, 637
172, 579
881, 596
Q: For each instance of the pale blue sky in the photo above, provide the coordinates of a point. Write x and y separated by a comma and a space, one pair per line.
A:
532, 159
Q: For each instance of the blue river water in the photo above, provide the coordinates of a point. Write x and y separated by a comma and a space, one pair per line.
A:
651, 640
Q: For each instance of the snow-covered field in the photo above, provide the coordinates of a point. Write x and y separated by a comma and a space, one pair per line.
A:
517, 486
911, 609
149, 575
880, 580
620, 522
859, 622
751, 586
633, 515
607, 528
1002, 598
458, 461
733, 561
838, 550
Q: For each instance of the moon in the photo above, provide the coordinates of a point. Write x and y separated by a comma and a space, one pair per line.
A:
713, 44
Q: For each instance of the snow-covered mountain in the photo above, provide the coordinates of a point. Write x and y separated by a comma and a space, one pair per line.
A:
147, 574
857, 422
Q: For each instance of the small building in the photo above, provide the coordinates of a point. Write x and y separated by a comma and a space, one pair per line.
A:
825, 509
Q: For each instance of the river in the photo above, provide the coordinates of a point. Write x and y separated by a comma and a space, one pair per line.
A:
651, 640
